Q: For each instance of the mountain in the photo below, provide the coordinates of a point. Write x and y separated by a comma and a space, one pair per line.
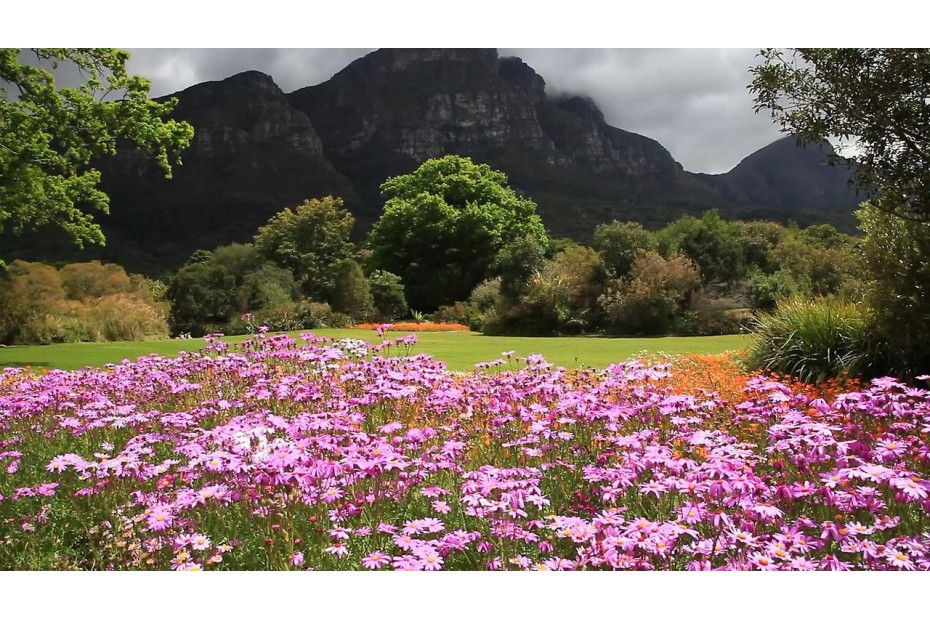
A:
257, 150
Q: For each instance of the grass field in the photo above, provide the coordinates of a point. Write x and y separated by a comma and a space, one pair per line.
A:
460, 350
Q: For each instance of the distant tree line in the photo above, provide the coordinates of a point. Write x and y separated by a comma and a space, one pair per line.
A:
458, 244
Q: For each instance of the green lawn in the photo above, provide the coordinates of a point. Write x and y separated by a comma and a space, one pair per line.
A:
460, 350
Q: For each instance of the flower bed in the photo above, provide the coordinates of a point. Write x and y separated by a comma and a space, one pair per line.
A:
413, 327
347, 456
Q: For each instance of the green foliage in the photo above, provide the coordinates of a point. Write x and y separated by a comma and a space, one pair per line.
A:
896, 259
757, 241
310, 241
201, 294
826, 237
483, 303
711, 315
444, 225
649, 299
266, 286
880, 98
570, 283
618, 244
710, 242
387, 294
517, 263
812, 339
351, 292
216, 287
50, 136
559, 298
459, 312
289, 316
817, 270
766, 289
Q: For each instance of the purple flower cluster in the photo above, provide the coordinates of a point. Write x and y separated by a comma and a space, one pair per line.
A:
319, 455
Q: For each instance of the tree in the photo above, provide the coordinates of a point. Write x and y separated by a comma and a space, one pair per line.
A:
878, 98
352, 293
214, 288
757, 241
50, 136
896, 259
94, 279
443, 226
618, 244
310, 241
517, 263
387, 292
710, 242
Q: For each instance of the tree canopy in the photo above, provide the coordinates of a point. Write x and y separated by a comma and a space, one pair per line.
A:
51, 136
877, 98
443, 226
310, 241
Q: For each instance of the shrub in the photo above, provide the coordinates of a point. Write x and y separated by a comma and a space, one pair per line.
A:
289, 317
81, 302
618, 244
125, 317
653, 296
483, 304
454, 313
812, 339
711, 315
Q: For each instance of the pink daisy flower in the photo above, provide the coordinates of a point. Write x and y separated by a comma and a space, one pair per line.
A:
160, 518
898, 559
337, 549
375, 560
431, 560
200, 542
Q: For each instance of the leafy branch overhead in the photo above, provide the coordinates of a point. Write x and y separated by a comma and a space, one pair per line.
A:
877, 98
50, 136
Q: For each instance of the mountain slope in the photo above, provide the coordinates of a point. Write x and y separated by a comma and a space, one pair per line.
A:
257, 150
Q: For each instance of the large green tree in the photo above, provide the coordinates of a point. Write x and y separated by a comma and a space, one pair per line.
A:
877, 98
444, 225
50, 136
310, 241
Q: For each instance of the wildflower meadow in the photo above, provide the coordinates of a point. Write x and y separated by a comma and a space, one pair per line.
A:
300, 454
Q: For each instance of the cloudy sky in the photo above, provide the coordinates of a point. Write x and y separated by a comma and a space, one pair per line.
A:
693, 101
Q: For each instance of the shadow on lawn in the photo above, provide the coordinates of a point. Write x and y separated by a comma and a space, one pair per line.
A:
26, 364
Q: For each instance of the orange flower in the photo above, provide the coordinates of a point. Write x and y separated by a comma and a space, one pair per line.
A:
417, 327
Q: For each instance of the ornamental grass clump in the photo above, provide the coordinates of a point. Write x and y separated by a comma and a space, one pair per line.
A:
313, 454
811, 339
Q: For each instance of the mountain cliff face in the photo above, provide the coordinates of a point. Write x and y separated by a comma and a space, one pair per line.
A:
257, 150
252, 154
386, 113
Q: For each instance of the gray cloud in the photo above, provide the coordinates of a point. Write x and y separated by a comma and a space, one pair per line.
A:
693, 101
